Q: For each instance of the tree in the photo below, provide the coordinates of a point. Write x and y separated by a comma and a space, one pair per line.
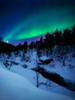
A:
32, 45
67, 37
47, 40
73, 35
57, 37
41, 43
25, 46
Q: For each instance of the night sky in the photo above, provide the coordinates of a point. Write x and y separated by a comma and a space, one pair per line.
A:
22, 20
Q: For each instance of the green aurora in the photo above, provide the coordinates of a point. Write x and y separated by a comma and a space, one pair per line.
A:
45, 20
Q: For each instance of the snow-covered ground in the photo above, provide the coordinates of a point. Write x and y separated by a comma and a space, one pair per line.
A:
16, 87
19, 67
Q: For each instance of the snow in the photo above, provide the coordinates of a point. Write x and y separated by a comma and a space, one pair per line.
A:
17, 81
27, 73
16, 87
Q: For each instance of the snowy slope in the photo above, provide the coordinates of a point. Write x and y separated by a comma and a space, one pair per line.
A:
16, 87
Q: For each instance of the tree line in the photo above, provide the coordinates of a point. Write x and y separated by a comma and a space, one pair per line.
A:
56, 39
50, 40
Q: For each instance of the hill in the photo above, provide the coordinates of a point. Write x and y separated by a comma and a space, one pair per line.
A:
16, 87
6, 47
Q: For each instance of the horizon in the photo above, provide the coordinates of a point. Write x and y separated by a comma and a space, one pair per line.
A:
34, 39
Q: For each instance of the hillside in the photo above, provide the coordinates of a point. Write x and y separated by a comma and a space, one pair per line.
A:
6, 47
16, 87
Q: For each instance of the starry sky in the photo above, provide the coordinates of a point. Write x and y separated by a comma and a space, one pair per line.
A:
27, 20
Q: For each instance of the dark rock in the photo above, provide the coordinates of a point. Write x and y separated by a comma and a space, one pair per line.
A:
46, 61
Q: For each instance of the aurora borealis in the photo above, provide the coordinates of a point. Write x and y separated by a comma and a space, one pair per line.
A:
24, 19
